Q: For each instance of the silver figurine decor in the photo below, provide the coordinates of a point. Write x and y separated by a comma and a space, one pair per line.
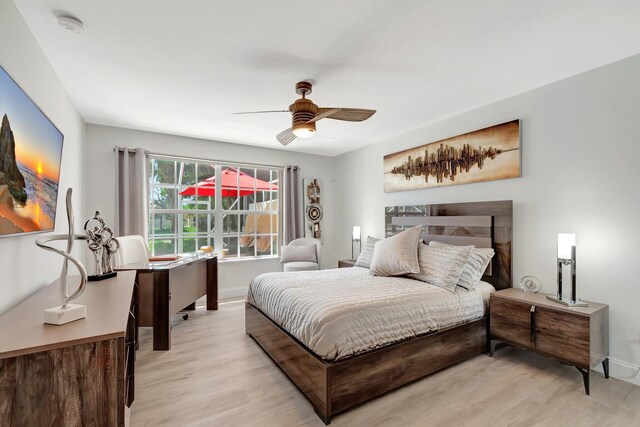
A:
103, 245
66, 312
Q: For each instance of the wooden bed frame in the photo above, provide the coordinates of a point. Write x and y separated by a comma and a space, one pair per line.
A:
334, 387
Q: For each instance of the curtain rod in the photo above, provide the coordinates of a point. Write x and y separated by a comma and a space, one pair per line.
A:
199, 159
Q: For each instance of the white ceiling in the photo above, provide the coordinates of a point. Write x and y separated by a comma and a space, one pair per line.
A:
181, 67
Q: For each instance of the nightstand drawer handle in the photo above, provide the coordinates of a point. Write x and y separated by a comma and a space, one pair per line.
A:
533, 325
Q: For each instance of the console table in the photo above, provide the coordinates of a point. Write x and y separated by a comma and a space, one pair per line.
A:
167, 287
80, 373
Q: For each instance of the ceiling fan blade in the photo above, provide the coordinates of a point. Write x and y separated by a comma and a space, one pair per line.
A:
348, 114
285, 137
324, 115
260, 112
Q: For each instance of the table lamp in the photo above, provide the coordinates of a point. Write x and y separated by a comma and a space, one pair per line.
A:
355, 237
567, 256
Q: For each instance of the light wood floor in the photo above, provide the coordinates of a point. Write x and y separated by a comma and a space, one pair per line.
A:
215, 375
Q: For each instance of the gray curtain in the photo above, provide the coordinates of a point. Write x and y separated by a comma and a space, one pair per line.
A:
131, 192
292, 208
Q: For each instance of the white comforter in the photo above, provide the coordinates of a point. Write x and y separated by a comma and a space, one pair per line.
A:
342, 312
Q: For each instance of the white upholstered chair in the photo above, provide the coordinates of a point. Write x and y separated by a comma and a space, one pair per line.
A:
132, 249
304, 265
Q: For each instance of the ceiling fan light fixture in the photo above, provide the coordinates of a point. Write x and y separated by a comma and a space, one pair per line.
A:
304, 130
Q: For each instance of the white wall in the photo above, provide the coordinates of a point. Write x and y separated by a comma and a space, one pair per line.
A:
581, 173
23, 267
234, 276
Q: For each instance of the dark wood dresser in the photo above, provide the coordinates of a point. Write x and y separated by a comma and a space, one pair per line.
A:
81, 373
576, 336
344, 263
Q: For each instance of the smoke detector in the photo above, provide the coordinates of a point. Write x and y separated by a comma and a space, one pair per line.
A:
70, 23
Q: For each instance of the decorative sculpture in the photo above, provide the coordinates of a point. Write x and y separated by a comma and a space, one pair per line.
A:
103, 245
67, 312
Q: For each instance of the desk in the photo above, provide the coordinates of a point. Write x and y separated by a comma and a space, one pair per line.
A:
168, 287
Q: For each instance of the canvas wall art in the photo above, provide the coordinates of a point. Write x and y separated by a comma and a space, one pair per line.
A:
30, 155
483, 155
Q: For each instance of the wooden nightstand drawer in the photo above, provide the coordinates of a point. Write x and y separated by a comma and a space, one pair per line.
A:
567, 349
513, 311
515, 333
562, 323
346, 263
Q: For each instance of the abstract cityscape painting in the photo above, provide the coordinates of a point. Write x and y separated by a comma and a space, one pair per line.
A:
30, 155
482, 155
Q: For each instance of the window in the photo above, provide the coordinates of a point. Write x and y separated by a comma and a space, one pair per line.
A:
194, 203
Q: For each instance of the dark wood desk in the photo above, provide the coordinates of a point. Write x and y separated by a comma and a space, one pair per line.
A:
168, 287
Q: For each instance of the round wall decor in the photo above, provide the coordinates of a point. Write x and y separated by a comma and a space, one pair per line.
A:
314, 212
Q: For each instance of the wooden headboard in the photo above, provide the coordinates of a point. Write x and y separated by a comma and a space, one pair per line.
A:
482, 224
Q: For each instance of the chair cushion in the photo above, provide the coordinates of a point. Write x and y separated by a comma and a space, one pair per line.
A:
299, 253
301, 266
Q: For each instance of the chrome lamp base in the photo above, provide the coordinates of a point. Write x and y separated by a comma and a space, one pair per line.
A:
567, 302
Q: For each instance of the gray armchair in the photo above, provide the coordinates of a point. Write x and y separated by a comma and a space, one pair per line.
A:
304, 265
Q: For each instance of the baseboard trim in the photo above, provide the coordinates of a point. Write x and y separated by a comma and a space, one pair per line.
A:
622, 370
232, 292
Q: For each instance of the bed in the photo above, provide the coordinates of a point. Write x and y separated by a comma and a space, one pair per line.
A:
342, 345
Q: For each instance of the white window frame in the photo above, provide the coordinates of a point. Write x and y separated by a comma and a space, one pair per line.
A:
215, 237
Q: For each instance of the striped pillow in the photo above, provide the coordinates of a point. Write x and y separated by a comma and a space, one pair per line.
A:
366, 254
441, 265
477, 263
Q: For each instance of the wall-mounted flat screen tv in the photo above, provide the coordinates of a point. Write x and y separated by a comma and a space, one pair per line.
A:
30, 156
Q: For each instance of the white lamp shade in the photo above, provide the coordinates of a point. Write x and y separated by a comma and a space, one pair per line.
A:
565, 242
356, 232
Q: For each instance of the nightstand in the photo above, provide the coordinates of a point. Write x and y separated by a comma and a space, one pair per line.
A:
343, 263
576, 336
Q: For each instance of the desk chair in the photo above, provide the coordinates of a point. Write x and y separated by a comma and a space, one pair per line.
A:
134, 249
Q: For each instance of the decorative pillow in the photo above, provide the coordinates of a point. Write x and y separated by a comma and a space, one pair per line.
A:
397, 255
366, 254
442, 265
298, 253
475, 267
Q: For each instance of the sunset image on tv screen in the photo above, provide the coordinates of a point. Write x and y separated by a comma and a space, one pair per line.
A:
30, 154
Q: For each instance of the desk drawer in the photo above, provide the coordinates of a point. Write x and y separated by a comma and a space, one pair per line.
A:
515, 312
511, 332
562, 323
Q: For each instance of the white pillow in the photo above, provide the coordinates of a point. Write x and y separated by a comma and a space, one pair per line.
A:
475, 267
442, 265
298, 253
366, 254
397, 255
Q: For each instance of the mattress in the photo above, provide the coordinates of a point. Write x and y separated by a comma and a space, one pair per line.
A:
343, 312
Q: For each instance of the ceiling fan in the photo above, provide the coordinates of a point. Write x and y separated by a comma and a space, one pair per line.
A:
305, 114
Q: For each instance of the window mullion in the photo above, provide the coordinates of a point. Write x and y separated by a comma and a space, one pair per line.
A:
219, 216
